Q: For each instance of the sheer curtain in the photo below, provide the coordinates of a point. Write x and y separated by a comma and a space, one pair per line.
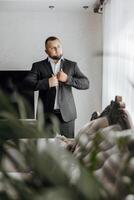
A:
118, 53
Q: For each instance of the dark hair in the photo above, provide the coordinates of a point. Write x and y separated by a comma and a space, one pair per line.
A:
51, 38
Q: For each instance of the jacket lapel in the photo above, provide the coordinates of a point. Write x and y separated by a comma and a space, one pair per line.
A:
48, 66
63, 65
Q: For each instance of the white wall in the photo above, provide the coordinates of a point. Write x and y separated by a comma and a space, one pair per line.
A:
118, 62
22, 36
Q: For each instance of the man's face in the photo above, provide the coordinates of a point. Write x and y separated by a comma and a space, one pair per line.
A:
54, 49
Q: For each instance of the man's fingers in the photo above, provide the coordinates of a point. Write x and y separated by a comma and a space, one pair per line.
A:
54, 76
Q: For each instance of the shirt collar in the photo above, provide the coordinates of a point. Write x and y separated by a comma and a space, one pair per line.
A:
51, 60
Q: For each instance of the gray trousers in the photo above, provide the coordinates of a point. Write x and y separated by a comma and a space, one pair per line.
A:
66, 128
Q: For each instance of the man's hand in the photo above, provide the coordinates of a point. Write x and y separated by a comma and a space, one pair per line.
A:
61, 76
53, 81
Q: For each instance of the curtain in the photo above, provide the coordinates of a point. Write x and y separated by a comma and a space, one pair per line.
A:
118, 52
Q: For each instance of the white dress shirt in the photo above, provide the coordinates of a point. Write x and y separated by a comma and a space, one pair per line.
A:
56, 69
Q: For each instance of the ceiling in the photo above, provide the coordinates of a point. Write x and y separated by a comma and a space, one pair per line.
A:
43, 5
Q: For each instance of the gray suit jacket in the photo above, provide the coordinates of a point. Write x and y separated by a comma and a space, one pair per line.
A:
38, 80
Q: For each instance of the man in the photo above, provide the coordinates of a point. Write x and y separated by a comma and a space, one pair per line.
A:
54, 77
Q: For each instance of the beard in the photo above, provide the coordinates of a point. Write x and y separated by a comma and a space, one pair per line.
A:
56, 57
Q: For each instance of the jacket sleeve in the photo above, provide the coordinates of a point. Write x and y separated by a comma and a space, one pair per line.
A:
78, 80
33, 81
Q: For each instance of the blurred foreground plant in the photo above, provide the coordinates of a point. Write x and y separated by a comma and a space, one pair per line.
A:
35, 167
